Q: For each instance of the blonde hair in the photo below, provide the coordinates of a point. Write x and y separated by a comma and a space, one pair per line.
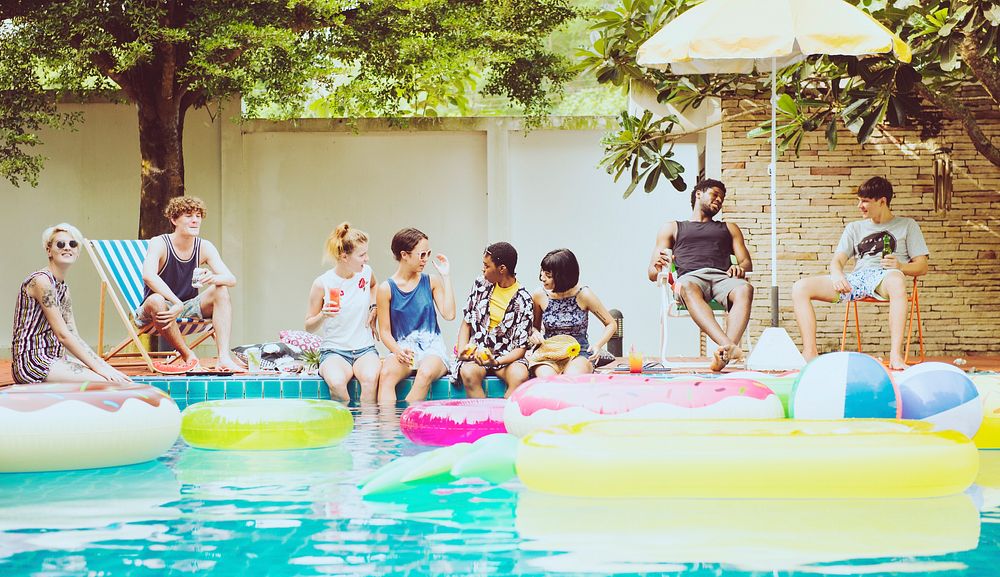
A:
51, 232
181, 205
343, 240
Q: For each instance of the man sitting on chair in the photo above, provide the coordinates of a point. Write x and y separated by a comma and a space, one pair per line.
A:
702, 248
168, 272
886, 248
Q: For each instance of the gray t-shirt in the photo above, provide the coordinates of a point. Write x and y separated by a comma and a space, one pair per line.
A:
863, 239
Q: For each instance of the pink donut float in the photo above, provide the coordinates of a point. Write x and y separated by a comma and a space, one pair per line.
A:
559, 400
451, 421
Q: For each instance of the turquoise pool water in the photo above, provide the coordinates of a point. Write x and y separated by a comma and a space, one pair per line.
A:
300, 513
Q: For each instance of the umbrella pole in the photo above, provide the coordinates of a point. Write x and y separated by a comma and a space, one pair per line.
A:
773, 169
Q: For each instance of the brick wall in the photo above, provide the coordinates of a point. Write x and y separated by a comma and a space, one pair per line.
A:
960, 296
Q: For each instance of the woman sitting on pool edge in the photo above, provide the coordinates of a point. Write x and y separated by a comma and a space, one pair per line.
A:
562, 307
407, 318
342, 312
46, 345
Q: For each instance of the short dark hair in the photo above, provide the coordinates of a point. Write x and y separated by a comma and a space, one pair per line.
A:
503, 254
875, 188
405, 240
705, 185
561, 264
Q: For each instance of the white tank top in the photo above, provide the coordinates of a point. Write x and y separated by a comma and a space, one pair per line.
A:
348, 330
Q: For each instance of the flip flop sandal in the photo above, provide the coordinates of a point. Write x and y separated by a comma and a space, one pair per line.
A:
175, 369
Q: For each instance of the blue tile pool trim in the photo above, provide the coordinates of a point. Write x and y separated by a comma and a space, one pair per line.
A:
201, 388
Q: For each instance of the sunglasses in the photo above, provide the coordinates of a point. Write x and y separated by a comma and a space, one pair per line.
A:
422, 254
63, 243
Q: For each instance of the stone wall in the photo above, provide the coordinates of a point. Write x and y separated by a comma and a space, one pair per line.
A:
960, 296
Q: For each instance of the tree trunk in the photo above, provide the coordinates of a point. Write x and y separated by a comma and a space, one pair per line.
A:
161, 137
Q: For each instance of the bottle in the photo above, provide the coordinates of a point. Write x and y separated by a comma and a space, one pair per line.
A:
886, 245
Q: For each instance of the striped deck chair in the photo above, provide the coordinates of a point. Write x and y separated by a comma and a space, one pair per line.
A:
119, 264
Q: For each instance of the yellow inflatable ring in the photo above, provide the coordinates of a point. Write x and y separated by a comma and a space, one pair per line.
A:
265, 424
860, 458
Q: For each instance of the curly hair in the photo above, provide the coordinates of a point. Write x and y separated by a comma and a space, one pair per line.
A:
181, 205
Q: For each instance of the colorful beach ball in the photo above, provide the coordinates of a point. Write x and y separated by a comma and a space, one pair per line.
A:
844, 385
946, 398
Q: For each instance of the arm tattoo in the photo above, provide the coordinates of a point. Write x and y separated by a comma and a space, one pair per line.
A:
90, 352
48, 298
66, 306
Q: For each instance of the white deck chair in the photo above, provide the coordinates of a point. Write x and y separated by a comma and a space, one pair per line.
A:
670, 308
119, 264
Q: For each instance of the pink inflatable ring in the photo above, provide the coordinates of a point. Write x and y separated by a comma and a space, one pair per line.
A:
442, 423
560, 400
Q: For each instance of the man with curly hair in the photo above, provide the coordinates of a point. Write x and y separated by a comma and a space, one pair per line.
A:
172, 289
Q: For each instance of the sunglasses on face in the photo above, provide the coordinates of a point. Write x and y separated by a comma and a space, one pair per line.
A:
422, 254
63, 243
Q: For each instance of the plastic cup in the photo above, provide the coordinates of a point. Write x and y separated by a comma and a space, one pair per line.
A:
333, 298
196, 277
253, 360
634, 362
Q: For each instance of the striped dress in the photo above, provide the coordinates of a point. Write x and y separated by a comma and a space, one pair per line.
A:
35, 346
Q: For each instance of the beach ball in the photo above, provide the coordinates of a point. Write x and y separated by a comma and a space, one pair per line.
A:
844, 385
945, 398
925, 367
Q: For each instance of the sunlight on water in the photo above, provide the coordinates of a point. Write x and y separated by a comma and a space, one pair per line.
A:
300, 513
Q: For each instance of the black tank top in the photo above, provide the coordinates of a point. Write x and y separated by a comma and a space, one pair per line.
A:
702, 245
178, 273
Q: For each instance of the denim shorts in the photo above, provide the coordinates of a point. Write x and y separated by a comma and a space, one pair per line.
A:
350, 356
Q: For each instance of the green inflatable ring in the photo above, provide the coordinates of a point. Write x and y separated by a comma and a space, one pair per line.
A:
265, 424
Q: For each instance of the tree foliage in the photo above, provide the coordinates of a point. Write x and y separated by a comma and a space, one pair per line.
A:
168, 56
954, 48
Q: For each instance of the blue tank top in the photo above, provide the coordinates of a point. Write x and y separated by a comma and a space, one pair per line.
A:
178, 273
413, 311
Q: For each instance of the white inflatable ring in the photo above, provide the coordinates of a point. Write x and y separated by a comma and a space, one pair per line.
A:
64, 426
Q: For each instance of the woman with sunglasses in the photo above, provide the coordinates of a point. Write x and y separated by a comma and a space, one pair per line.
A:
46, 344
408, 305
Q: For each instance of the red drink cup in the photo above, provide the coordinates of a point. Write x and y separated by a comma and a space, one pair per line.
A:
333, 299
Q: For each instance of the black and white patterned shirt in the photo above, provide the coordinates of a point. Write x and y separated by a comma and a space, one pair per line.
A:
512, 332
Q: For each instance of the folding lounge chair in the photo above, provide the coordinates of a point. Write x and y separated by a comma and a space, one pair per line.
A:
670, 308
119, 264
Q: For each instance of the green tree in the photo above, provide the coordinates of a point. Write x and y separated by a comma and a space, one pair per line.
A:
169, 56
954, 49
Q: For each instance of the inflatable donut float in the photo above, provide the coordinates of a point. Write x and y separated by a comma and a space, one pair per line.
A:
560, 400
266, 424
64, 426
447, 422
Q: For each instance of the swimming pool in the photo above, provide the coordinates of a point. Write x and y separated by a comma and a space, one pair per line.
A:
300, 513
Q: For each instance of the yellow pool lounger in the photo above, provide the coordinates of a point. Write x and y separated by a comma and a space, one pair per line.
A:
859, 458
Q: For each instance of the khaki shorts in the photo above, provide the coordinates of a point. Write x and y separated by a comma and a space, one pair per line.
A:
714, 284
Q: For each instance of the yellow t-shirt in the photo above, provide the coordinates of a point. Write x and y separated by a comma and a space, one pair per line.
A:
499, 300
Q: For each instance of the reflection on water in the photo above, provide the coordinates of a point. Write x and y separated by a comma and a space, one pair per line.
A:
300, 513
751, 534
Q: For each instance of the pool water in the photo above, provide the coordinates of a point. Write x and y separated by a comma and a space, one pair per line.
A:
300, 513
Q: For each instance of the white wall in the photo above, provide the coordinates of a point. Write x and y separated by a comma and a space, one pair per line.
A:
560, 198
275, 190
